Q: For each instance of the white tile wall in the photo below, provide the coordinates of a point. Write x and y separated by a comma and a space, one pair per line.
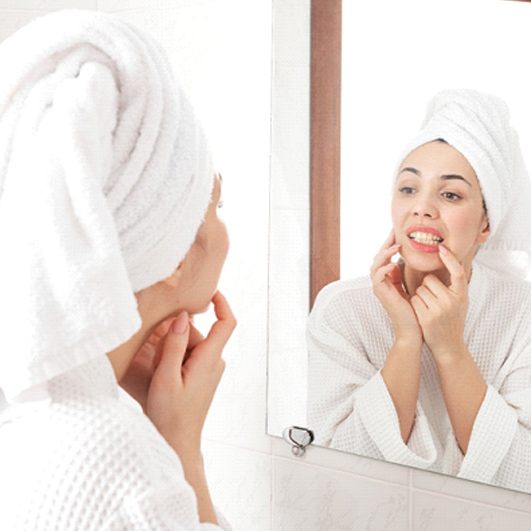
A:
315, 498
46, 5
439, 513
258, 484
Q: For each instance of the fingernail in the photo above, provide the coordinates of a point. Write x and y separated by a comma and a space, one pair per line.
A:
443, 249
180, 325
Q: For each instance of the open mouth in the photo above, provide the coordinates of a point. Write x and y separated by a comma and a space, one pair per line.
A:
425, 238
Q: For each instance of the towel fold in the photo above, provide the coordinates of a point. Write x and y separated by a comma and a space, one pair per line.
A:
105, 178
478, 125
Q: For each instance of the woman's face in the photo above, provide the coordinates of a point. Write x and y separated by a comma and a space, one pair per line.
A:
201, 268
437, 199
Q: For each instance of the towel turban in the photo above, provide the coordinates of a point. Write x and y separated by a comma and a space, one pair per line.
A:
105, 179
478, 126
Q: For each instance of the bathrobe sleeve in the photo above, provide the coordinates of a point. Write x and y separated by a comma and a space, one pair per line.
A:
169, 508
499, 450
349, 406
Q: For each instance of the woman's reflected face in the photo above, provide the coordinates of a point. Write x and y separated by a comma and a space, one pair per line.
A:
437, 199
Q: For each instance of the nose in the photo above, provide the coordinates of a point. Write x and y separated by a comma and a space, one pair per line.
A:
424, 207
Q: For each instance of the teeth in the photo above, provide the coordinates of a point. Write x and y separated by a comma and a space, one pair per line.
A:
425, 237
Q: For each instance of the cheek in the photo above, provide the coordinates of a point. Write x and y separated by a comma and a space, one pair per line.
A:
223, 239
217, 251
458, 221
398, 212
464, 227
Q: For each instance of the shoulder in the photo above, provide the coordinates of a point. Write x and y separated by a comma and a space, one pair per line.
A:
347, 307
336, 293
106, 433
503, 291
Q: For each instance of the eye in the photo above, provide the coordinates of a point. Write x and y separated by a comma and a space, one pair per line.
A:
451, 196
220, 204
407, 190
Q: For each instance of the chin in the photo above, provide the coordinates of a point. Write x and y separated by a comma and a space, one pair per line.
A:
203, 305
202, 309
425, 264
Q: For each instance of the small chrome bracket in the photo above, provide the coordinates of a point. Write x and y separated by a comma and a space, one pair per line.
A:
298, 438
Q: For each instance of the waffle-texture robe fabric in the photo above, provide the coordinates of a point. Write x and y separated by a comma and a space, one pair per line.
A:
350, 408
91, 460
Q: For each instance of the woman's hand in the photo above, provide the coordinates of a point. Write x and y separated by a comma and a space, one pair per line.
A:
177, 374
442, 310
387, 286
137, 378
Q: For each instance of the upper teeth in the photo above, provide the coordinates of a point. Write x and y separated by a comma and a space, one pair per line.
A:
425, 237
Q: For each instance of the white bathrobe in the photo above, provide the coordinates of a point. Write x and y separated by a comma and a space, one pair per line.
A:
91, 461
350, 408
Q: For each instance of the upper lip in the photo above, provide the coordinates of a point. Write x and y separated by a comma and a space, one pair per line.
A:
424, 228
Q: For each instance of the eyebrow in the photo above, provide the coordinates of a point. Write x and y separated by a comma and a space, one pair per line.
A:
446, 177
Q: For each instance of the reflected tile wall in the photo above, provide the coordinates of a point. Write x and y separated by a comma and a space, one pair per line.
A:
254, 478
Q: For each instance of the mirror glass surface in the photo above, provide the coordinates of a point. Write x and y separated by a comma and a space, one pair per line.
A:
395, 57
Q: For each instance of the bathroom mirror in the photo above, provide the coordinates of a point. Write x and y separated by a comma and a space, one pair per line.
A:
394, 57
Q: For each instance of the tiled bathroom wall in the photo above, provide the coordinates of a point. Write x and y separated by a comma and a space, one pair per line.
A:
221, 51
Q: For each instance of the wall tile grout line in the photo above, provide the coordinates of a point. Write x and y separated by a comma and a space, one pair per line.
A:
475, 502
412, 490
355, 475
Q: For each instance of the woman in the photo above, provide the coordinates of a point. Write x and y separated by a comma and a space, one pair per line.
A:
108, 217
427, 362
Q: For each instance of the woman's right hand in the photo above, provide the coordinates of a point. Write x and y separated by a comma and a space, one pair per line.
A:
386, 280
186, 377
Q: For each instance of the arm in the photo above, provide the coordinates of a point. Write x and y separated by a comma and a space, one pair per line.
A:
177, 388
349, 405
499, 448
464, 390
491, 421
401, 374
194, 472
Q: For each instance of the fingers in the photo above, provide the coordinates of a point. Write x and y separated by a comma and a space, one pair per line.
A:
222, 329
174, 348
195, 337
458, 280
395, 277
419, 307
436, 286
426, 296
381, 274
383, 257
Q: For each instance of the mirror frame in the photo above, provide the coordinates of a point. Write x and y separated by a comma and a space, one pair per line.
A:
325, 143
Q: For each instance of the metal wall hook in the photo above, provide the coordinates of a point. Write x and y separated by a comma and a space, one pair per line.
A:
298, 438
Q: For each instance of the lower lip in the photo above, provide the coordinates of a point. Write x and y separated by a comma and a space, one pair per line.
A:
424, 248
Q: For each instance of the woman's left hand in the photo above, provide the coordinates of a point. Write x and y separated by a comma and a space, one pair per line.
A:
137, 379
441, 310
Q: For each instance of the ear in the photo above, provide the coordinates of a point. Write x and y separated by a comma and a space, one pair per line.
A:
485, 231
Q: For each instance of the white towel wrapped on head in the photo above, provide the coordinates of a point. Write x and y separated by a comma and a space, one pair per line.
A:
477, 125
105, 178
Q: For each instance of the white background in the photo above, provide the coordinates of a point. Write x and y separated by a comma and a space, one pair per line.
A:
395, 58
